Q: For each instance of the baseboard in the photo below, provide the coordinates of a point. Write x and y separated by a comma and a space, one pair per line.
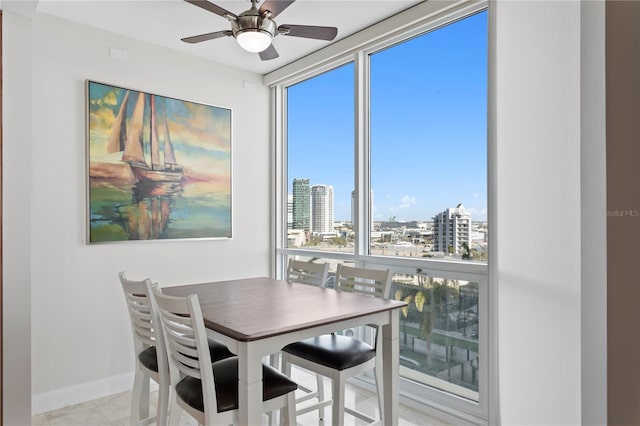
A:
84, 392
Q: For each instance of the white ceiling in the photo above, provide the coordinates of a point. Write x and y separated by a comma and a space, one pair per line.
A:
165, 22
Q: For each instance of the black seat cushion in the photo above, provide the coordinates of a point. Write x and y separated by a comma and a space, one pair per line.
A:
218, 351
332, 350
225, 372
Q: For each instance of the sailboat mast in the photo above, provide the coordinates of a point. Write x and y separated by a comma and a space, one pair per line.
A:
169, 155
153, 137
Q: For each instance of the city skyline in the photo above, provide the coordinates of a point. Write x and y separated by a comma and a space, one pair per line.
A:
304, 185
428, 126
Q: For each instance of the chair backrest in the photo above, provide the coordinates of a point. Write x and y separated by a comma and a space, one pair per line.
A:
307, 272
141, 314
372, 282
186, 342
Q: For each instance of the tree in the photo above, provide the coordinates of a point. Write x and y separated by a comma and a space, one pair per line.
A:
339, 241
432, 300
466, 255
478, 255
313, 241
404, 310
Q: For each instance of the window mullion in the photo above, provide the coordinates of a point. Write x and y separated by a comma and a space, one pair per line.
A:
362, 203
279, 117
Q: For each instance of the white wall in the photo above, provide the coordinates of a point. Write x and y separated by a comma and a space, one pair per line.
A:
81, 342
538, 211
16, 214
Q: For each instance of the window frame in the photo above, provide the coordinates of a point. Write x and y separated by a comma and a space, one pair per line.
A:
431, 16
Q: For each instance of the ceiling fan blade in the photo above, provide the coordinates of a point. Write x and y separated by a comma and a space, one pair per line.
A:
309, 31
275, 6
211, 7
269, 53
207, 36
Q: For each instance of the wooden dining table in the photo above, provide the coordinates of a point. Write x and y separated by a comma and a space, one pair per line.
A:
256, 317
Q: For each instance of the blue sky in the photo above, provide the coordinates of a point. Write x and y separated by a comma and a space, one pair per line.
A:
428, 126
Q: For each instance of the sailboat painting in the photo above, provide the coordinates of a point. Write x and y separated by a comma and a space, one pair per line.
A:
159, 168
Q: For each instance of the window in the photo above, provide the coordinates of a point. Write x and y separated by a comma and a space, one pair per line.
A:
384, 165
320, 161
428, 125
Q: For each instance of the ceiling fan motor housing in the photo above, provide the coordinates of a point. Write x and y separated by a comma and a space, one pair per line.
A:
252, 21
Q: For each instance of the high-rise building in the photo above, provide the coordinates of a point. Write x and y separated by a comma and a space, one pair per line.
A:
290, 211
301, 205
322, 209
451, 230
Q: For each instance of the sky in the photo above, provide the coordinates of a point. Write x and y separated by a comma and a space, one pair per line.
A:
428, 126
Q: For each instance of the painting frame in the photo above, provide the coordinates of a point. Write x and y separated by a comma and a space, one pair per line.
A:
158, 168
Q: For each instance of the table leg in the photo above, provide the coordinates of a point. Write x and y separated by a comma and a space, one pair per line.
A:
391, 360
249, 385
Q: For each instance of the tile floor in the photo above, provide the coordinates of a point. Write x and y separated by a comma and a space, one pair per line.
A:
114, 410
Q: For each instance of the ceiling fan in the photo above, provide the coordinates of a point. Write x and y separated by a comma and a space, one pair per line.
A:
254, 29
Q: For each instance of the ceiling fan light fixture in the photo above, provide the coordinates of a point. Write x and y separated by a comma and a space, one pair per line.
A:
254, 29
253, 40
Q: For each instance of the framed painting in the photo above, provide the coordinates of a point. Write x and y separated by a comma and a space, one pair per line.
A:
159, 168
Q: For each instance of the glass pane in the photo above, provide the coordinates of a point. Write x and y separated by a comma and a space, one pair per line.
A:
320, 144
429, 144
439, 332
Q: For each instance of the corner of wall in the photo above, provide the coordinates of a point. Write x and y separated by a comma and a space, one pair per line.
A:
16, 226
592, 218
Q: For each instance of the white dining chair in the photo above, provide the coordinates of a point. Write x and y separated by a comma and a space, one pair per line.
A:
209, 391
339, 357
309, 273
150, 352
315, 274
148, 343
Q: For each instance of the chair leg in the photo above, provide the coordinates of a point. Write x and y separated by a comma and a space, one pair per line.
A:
320, 387
288, 415
144, 398
377, 372
174, 411
138, 410
337, 408
163, 405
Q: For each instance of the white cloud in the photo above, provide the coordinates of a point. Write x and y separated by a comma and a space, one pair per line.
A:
407, 201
